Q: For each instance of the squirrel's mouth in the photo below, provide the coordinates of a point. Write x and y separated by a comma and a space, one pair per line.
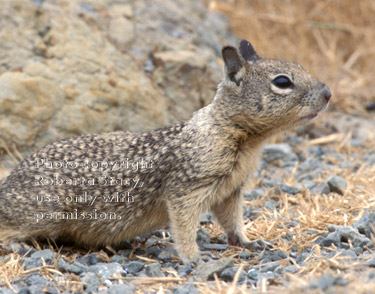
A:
313, 115
310, 116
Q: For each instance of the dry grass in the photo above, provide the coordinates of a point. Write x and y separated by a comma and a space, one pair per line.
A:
335, 40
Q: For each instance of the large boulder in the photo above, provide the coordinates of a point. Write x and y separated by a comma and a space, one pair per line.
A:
74, 67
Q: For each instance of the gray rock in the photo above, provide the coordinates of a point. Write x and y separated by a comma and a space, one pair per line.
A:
203, 237
154, 251
229, 273
292, 224
356, 143
270, 204
121, 289
101, 86
349, 253
208, 269
253, 194
223, 239
369, 159
358, 250
279, 271
206, 219
327, 281
366, 224
37, 289
291, 269
167, 252
36, 259
340, 236
90, 259
332, 238
215, 246
321, 188
133, 267
31, 263
310, 185
246, 254
7, 291
185, 271
152, 241
269, 256
154, 270
36, 280
371, 263
302, 257
291, 189
251, 213
46, 254
254, 274
186, 289
265, 276
125, 252
91, 281
117, 258
106, 270
324, 283
362, 241
276, 152
270, 267
75, 268
337, 184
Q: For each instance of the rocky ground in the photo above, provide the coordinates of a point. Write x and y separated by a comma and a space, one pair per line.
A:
313, 201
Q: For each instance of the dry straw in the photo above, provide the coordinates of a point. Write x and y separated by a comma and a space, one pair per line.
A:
335, 40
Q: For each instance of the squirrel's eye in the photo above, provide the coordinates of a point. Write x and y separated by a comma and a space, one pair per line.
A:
282, 82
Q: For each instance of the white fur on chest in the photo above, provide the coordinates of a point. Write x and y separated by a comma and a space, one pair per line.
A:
246, 164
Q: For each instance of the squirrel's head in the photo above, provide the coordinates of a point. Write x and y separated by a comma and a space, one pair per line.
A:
261, 94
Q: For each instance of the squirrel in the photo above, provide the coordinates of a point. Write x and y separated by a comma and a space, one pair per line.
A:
102, 189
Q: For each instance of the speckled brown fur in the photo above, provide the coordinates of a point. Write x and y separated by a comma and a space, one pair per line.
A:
193, 167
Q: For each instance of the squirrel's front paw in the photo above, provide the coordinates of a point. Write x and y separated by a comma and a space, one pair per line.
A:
255, 245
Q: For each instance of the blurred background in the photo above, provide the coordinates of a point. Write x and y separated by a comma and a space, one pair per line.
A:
334, 40
76, 67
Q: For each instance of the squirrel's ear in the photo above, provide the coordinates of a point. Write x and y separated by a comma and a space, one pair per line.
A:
233, 63
247, 51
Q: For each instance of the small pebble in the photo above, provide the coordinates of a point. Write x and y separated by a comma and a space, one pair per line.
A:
203, 237
121, 289
337, 184
154, 270
291, 269
215, 246
188, 288
270, 267
291, 189
277, 152
133, 267
229, 273
208, 269
270, 204
107, 270
366, 224
371, 263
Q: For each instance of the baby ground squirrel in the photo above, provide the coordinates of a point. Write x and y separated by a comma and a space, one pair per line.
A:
106, 188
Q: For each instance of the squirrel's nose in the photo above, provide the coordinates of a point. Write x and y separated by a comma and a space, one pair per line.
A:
327, 94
